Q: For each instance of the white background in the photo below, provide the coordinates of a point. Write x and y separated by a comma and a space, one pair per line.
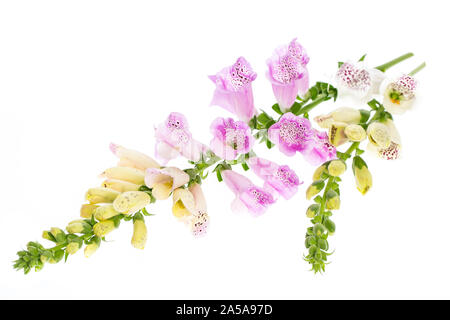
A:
76, 75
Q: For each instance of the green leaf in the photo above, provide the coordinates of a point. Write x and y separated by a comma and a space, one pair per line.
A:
245, 166
295, 109
263, 118
374, 104
277, 109
340, 64
363, 57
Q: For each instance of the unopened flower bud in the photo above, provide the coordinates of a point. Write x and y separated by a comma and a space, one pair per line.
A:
87, 210
318, 173
101, 195
119, 185
336, 168
344, 114
330, 225
363, 177
102, 228
47, 235
309, 241
379, 134
312, 250
355, 132
44, 259
333, 201
105, 212
132, 175
318, 229
312, 210
59, 235
323, 244
336, 134
133, 158
131, 202
72, 247
314, 189
139, 234
78, 226
90, 249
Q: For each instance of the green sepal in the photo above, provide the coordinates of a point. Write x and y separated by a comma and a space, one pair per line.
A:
359, 163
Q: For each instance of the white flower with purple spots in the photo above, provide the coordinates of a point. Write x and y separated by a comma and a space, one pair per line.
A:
234, 89
288, 74
281, 180
230, 138
358, 81
399, 95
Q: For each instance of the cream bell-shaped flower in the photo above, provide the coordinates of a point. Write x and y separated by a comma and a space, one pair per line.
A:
398, 94
343, 114
379, 135
392, 151
199, 222
128, 174
131, 202
101, 195
355, 133
132, 158
164, 181
119, 185
139, 238
183, 203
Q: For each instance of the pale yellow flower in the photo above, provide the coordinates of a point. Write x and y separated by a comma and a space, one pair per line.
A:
131, 202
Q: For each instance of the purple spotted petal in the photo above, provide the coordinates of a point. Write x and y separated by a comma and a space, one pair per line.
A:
249, 197
230, 138
173, 138
320, 149
291, 133
234, 89
280, 179
288, 74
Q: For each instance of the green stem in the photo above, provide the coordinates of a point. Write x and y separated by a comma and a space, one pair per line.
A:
352, 148
418, 69
65, 243
312, 105
392, 63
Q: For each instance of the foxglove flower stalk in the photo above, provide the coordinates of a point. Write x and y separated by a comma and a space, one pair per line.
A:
399, 95
230, 138
288, 74
249, 197
358, 81
234, 89
281, 180
173, 139
164, 181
